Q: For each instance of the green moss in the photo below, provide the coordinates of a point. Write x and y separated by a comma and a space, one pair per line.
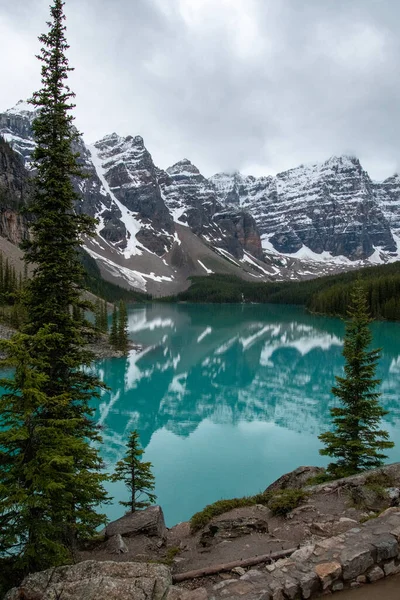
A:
280, 503
202, 518
170, 555
286, 500
321, 478
380, 478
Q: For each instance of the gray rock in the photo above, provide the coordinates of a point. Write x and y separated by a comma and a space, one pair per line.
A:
177, 593
389, 568
386, 547
303, 554
295, 479
239, 571
270, 568
222, 584
355, 561
394, 495
309, 583
331, 528
374, 574
239, 588
337, 586
148, 522
231, 528
276, 588
116, 545
93, 580
252, 574
291, 588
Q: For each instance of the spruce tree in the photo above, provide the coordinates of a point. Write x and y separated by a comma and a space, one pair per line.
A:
50, 480
114, 328
98, 315
104, 317
357, 442
136, 475
122, 343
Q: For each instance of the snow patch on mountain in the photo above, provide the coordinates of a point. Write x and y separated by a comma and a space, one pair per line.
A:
134, 278
132, 225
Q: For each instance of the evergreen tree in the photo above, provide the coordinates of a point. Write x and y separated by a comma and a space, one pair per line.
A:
104, 317
101, 315
114, 328
50, 480
98, 314
357, 442
136, 475
122, 343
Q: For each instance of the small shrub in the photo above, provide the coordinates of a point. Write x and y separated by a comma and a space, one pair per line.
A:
285, 501
203, 517
379, 490
321, 478
170, 555
379, 478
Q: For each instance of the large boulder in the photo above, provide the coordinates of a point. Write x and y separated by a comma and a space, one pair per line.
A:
295, 479
149, 522
93, 580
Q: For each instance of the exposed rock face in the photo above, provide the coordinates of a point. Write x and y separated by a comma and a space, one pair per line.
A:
295, 479
16, 128
387, 195
131, 176
192, 199
333, 207
15, 189
189, 196
96, 580
240, 232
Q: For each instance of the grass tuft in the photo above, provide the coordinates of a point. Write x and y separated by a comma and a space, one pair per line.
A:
280, 503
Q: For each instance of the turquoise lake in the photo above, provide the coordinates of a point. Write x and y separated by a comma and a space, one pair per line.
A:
226, 398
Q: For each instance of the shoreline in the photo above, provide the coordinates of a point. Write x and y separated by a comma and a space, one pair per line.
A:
100, 347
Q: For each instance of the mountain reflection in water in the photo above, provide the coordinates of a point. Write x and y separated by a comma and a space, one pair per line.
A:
227, 398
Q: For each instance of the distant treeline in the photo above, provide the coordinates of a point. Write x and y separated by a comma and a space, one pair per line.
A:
327, 295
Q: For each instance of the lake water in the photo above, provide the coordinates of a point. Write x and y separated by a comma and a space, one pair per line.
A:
228, 398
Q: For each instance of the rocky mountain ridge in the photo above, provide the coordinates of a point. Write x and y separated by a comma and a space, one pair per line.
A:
331, 207
157, 227
138, 242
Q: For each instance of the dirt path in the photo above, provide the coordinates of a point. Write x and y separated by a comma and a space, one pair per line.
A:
386, 589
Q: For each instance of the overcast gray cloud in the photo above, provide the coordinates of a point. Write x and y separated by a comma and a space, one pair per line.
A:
255, 85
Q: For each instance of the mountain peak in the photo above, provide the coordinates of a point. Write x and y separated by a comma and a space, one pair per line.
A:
183, 168
22, 108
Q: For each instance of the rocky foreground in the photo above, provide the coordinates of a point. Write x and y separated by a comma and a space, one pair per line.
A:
344, 534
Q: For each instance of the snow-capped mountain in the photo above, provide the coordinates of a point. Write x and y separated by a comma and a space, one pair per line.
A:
156, 227
332, 207
140, 242
192, 200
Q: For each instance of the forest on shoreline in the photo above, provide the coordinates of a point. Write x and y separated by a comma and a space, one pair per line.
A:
328, 295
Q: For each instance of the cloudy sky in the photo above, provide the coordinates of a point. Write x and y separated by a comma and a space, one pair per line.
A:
255, 85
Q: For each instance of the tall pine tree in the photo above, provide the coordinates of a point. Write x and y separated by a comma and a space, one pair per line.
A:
122, 327
114, 328
50, 480
357, 441
136, 475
